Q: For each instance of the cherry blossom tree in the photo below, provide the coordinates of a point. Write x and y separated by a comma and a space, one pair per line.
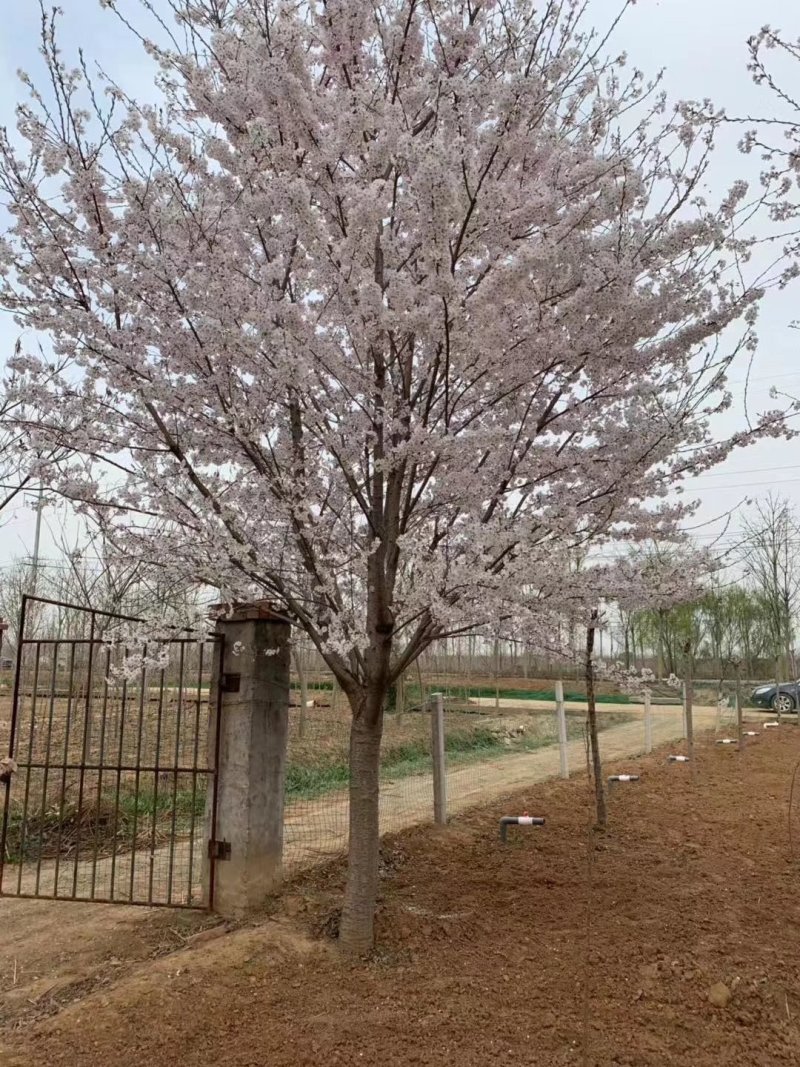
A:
383, 312
773, 60
774, 63
16, 461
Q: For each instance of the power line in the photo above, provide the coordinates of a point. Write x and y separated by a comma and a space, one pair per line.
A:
747, 485
746, 470
763, 378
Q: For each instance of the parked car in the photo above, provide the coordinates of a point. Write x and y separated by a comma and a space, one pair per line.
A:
783, 698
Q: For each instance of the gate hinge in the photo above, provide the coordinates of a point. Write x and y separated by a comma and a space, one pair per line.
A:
219, 850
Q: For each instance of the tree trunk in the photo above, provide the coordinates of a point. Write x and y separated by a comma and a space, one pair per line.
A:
357, 927
594, 741
778, 687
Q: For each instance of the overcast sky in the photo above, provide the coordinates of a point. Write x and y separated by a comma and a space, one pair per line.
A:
702, 46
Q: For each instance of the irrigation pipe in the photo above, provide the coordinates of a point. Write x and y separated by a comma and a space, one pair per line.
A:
518, 820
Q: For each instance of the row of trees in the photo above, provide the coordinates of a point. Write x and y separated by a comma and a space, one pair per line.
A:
724, 627
94, 578
746, 614
750, 621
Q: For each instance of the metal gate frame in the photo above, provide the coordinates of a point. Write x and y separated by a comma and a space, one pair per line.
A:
23, 767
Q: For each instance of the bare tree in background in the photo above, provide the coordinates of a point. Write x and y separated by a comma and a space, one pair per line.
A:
95, 575
771, 562
89, 573
15, 583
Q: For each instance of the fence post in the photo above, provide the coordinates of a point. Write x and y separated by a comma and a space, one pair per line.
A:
247, 748
683, 701
299, 667
439, 765
561, 719
648, 722
738, 705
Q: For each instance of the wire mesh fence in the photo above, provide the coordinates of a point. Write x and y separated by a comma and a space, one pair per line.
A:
487, 753
111, 798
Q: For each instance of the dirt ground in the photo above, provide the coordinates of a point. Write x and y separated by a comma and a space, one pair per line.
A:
558, 948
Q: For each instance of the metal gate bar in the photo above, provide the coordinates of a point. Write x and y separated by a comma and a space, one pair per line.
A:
114, 788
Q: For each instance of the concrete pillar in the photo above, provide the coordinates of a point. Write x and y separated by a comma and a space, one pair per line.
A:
252, 669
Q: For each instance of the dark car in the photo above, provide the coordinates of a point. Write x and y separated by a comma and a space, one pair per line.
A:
785, 697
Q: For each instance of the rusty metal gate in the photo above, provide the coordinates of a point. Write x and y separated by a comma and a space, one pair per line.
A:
110, 792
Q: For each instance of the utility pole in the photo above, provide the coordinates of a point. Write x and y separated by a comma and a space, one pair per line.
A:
37, 537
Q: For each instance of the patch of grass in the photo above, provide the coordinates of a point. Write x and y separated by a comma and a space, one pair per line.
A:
147, 803
414, 757
305, 782
407, 758
413, 693
61, 829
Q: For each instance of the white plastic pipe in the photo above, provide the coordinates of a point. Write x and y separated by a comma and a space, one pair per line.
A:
677, 759
518, 820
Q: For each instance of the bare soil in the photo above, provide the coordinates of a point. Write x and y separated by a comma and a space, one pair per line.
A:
563, 947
